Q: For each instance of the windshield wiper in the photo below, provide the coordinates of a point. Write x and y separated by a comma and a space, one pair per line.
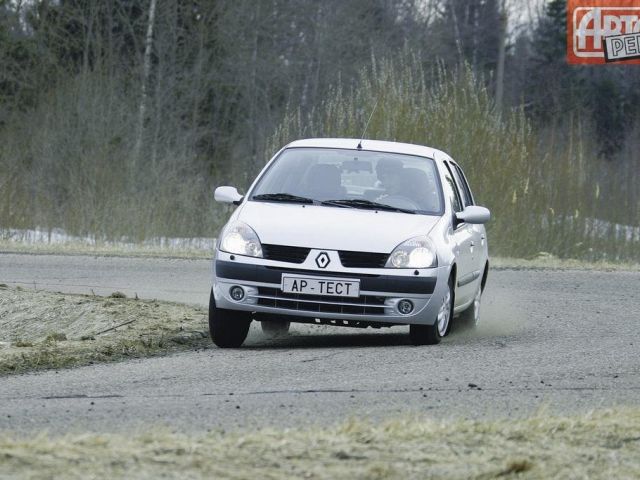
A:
366, 204
283, 197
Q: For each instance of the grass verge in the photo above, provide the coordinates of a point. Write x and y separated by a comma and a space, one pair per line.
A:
604, 444
42, 330
103, 250
551, 262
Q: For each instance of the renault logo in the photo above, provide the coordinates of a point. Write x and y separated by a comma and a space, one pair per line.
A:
322, 260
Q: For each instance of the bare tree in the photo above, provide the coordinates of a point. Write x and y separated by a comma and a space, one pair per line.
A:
146, 71
504, 18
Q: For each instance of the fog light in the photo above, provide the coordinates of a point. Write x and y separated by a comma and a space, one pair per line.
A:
405, 307
237, 293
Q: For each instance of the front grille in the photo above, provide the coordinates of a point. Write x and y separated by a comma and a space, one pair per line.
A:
363, 259
284, 253
323, 273
363, 305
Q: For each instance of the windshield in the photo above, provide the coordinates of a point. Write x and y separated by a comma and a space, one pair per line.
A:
356, 179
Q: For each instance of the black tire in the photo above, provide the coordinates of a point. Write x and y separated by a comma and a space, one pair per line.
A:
430, 334
424, 334
228, 328
273, 328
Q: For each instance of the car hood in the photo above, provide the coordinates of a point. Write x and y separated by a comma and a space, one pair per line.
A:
332, 228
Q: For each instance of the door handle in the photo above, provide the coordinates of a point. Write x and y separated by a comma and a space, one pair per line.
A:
473, 244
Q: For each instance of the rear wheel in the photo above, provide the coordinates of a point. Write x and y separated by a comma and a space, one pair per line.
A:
471, 316
432, 334
228, 328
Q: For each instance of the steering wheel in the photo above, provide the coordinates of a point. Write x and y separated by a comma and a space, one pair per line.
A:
399, 201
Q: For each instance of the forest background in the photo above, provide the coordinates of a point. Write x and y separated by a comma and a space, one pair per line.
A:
119, 117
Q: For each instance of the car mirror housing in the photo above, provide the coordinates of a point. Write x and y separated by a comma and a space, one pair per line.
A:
227, 195
474, 214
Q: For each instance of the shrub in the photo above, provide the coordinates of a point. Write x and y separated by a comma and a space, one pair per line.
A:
542, 188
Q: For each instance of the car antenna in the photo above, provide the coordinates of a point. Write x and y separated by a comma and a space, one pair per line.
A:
359, 147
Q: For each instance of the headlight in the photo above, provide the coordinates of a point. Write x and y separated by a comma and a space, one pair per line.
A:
417, 252
239, 238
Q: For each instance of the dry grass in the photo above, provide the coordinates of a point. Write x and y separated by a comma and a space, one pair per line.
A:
551, 262
41, 330
598, 445
545, 188
103, 250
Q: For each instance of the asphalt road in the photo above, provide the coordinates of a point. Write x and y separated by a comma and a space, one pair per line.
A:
559, 340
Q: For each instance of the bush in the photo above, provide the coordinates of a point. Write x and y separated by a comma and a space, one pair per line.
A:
71, 163
540, 187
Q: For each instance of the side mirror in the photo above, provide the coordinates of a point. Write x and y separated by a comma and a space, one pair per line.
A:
227, 195
474, 214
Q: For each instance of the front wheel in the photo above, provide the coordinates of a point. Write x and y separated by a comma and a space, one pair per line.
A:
228, 328
432, 334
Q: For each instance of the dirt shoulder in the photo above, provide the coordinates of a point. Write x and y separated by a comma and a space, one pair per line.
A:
43, 330
599, 445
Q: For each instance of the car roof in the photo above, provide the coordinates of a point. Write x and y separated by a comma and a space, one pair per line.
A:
372, 145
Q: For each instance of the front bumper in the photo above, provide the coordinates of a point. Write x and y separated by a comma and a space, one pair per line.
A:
380, 292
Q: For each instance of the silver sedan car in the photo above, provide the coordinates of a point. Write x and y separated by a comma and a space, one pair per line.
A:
348, 232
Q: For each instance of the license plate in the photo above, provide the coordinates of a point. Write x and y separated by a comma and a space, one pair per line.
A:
337, 287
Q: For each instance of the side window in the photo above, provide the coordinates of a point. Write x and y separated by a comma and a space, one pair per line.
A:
464, 185
454, 195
